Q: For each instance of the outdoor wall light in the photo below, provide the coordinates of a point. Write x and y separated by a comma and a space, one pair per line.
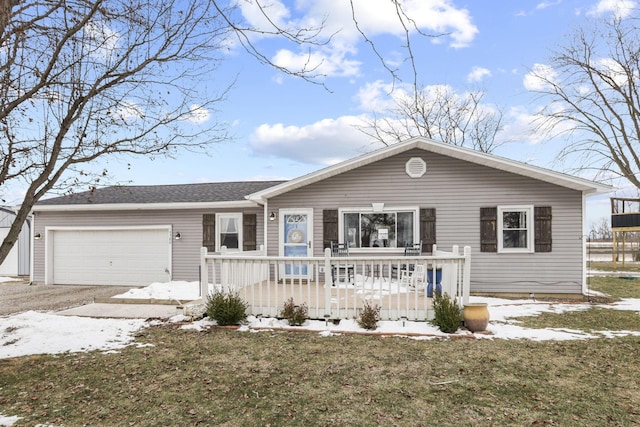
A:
178, 236
272, 216
37, 236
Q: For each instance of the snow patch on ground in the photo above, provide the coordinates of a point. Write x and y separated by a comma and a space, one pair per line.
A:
34, 332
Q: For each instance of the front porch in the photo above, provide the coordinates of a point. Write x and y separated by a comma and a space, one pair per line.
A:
399, 285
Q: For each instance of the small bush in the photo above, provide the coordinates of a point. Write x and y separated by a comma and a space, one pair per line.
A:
369, 316
447, 313
226, 308
295, 314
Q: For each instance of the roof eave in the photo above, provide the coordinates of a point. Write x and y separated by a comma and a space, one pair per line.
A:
144, 206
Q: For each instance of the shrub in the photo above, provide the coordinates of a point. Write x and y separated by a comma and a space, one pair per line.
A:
447, 313
226, 308
295, 314
369, 316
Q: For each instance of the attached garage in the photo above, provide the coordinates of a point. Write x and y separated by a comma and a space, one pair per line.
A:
135, 256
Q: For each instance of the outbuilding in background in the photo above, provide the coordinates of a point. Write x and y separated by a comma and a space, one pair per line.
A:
17, 262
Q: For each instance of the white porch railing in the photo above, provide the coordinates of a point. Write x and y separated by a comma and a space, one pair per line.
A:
399, 285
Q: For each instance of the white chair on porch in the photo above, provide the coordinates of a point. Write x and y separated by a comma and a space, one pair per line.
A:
413, 278
341, 269
414, 249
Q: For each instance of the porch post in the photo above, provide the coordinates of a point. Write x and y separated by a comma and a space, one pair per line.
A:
466, 280
327, 282
204, 275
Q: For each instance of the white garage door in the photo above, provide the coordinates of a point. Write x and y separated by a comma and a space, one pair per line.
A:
111, 257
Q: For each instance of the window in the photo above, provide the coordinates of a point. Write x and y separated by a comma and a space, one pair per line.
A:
388, 229
229, 231
515, 228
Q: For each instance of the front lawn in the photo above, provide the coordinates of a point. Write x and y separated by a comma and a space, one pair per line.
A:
235, 378
231, 378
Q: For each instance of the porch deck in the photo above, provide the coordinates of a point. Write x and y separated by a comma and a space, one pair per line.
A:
265, 283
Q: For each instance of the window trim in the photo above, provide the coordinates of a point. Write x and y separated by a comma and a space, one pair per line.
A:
387, 209
529, 210
226, 215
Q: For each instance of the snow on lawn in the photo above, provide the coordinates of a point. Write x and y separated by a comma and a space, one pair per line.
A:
34, 332
39, 333
8, 421
48, 333
4, 279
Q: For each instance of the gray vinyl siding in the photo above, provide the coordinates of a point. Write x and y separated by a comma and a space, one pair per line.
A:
457, 190
24, 251
185, 253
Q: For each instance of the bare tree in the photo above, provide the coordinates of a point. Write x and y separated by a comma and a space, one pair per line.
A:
591, 86
82, 80
88, 80
439, 113
601, 229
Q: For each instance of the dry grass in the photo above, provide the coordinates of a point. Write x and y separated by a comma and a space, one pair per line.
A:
609, 266
228, 378
616, 287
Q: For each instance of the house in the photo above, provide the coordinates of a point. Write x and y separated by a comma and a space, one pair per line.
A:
17, 262
524, 224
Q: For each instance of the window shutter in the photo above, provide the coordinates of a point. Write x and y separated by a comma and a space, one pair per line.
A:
542, 228
428, 229
329, 227
489, 229
209, 232
249, 232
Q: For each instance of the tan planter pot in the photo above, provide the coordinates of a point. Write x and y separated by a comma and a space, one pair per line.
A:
476, 316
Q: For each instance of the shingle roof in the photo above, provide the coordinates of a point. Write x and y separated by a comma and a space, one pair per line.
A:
180, 193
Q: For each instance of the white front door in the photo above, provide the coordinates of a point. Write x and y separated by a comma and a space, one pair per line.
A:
296, 240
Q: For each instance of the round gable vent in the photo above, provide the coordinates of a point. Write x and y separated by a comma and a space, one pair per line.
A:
416, 167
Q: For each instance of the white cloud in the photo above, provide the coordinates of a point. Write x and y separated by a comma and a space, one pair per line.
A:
477, 74
619, 8
324, 142
128, 110
546, 4
319, 63
379, 96
520, 125
197, 114
100, 40
539, 76
614, 70
375, 18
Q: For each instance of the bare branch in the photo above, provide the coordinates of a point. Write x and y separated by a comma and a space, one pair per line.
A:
593, 98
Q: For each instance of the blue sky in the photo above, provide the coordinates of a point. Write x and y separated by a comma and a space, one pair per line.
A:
284, 127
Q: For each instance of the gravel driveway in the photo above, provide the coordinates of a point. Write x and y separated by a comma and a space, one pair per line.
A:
16, 297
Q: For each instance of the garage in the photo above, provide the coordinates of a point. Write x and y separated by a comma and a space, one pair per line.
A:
109, 256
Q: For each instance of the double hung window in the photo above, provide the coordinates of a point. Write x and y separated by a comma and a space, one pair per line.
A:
515, 228
229, 231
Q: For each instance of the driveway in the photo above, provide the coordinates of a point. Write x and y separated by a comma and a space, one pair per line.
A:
16, 297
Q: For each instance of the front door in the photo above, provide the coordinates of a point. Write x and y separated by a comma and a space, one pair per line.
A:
296, 240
